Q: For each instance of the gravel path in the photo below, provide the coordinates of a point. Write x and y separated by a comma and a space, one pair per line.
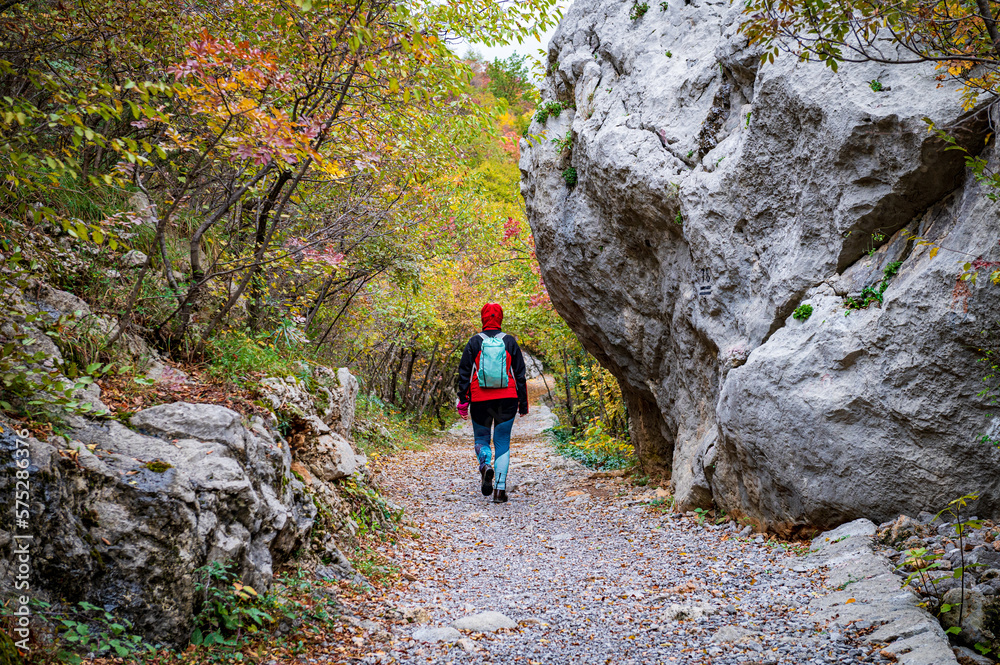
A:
588, 574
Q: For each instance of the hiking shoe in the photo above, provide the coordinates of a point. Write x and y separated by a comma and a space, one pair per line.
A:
486, 471
499, 496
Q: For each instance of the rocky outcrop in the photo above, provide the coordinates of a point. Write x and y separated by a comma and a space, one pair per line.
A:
123, 514
331, 397
713, 198
123, 517
320, 419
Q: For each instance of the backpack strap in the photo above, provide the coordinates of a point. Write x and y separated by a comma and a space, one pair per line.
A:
485, 336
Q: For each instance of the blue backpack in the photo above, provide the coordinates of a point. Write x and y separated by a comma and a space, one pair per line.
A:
493, 362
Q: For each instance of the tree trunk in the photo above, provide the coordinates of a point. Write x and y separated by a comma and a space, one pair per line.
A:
404, 390
376, 365
395, 378
991, 24
258, 281
419, 398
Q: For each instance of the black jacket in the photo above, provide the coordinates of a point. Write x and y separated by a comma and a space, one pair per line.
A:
468, 387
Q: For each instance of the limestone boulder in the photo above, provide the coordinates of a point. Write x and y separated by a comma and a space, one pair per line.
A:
122, 518
714, 196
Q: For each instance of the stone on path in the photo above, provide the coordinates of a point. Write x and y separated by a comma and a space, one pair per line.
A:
733, 635
484, 622
688, 612
415, 614
449, 635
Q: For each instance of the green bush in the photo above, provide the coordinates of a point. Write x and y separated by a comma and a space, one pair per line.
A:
596, 449
241, 358
234, 614
569, 175
639, 10
802, 312
382, 429
550, 109
871, 294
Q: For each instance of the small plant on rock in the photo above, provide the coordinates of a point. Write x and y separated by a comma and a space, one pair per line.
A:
564, 143
639, 10
664, 6
961, 526
876, 85
231, 610
921, 561
876, 239
569, 175
871, 294
547, 110
802, 312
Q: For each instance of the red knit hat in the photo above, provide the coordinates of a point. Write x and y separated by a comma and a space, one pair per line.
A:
492, 315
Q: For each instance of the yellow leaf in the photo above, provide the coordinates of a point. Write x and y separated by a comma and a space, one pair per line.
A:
934, 251
848, 601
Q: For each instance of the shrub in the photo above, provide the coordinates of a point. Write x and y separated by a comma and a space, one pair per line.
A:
871, 294
639, 10
569, 175
242, 358
565, 143
234, 614
596, 449
547, 109
802, 312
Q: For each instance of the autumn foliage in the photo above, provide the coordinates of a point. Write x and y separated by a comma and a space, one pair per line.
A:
326, 179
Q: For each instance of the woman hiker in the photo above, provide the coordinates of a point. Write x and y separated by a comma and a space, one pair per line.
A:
491, 378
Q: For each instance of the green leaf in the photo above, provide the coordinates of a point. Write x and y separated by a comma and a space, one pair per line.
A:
954, 630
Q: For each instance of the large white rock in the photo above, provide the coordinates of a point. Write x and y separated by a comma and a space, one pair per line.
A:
714, 197
129, 519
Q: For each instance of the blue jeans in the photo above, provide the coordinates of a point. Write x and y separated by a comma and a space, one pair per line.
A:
501, 444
